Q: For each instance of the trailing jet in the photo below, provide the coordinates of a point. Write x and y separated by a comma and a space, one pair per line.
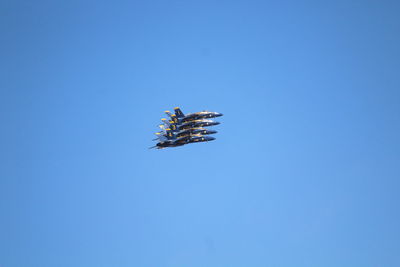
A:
171, 140
167, 140
193, 131
182, 118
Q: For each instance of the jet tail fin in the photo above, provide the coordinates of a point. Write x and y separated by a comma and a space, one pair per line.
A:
170, 134
165, 121
173, 127
168, 113
161, 137
174, 119
179, 113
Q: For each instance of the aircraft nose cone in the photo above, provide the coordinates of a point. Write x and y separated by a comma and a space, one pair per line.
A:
212, 132
216, 123
210, 138
220, 114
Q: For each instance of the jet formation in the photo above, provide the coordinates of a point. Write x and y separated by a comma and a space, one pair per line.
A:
181, 129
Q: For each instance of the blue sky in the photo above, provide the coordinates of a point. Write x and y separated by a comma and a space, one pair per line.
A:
305, 169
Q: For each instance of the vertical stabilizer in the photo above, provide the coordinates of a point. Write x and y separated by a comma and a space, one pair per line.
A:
166, 122
173, 127
161, 137
174, 118
179, 113
170, 134
168, 113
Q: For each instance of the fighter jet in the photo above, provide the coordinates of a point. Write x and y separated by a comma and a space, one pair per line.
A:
171, 140
199, 138
189, 124
196, 124
195, 131
182, 118
167, 139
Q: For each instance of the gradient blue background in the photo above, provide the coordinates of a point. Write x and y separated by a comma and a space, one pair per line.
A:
305, 169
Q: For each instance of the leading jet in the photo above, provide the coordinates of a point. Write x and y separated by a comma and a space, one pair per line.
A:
182, 118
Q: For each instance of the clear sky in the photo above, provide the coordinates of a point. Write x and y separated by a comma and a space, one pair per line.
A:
305, 169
